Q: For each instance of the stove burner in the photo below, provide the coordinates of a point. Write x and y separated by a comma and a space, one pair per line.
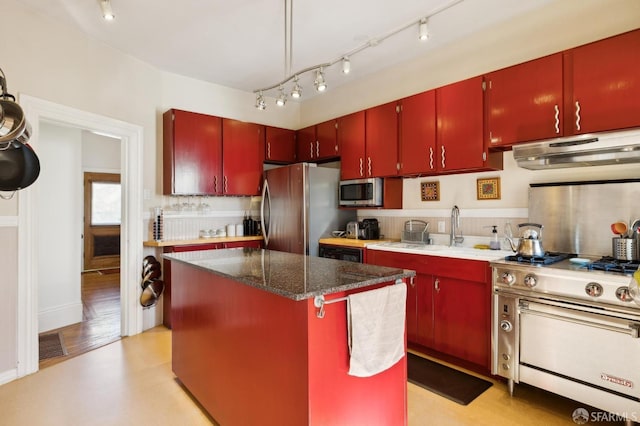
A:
547, 259
610, 264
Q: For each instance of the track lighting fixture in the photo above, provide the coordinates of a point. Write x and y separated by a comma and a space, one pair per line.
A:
107, 12
282, 99
260, 103
296, 92
320, 83
423, 30
346, 65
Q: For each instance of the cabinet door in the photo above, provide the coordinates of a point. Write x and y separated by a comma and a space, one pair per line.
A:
459, 125
192, 153
523, 102
306, 143
417, 142
381, 140
327, 139
462, 311
250, 244
243, 155
280, 145
351, 131
603, 85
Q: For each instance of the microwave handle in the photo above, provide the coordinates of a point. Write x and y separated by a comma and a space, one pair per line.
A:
265, 229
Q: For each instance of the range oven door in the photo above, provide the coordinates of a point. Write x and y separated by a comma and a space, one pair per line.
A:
589, 348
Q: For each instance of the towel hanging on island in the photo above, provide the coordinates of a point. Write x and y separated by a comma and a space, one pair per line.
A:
376, 324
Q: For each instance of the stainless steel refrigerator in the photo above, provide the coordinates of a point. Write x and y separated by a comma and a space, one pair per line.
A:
300, 206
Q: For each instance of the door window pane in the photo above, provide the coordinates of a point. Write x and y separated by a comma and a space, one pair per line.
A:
105, 203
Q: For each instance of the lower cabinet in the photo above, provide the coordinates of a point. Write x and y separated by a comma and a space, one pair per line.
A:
166, 268
448, 304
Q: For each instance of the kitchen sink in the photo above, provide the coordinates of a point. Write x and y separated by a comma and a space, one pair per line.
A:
442, 250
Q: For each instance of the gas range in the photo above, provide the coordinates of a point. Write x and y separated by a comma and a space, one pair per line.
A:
591, 280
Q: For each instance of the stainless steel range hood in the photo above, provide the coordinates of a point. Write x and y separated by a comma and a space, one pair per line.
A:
585, 150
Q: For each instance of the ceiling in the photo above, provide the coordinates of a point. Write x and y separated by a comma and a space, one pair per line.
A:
241, 43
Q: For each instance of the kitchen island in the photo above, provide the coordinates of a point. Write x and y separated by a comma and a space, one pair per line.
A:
249, 345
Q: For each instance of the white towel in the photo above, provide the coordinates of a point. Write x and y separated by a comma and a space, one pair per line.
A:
376, 321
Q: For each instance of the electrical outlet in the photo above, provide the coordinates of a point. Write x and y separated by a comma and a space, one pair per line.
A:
441, 226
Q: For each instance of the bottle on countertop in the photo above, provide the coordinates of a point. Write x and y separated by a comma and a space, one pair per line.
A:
246, 225
494, 244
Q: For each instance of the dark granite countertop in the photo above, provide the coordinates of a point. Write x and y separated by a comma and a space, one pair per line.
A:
290, 275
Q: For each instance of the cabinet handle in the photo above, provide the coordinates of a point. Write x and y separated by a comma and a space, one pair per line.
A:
215, 184
557, 117
436, 285
269, 150
443, 156
317, 149
225, 185
361, 171
412, 281
577, 115
311, 149
431, 158
369, 166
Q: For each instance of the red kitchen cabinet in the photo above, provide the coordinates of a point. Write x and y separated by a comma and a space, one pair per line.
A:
602, 85
319, 142
462, 319
459, 128
243, 154
280, 145
381, 140
417, 139
524, 102
351, 139
448, 305
192, 153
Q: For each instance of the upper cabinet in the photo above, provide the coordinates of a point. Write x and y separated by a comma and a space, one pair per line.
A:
351, 131
417, 140
243, 154
207, 155
459, 129
524, 102
381, 140
318, 142
192, 153
280, 145
602, 85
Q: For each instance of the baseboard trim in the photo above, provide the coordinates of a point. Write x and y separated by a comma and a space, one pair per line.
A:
8, 376
59, 316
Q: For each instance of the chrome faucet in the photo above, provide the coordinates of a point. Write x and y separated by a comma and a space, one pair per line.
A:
455, 235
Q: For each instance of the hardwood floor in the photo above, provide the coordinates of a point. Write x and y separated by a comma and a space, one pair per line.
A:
130, 382
100, 317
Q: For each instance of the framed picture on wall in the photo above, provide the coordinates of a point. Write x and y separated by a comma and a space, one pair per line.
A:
489, 189
430, 191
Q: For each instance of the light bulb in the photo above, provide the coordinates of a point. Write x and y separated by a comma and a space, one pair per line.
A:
282, 99
260, 103
346, 65
296, 92
320, 83
423, 33
107, 13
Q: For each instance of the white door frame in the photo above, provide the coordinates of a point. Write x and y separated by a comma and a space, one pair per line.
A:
37, 110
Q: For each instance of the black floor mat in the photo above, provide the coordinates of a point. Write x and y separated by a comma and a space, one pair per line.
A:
447, 382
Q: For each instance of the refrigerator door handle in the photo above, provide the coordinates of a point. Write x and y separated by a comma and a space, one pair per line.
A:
265, 195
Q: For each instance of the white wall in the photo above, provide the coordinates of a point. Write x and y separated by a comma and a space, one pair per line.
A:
100, 154
59, 227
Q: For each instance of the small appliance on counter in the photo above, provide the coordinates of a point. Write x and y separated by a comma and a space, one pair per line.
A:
352, 230
369, 229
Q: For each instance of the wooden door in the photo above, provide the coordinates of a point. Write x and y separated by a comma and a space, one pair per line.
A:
351, 131
306, 143
102, 200
460, 125
243, 156
602, 85
524, 102
417, 139
381, 137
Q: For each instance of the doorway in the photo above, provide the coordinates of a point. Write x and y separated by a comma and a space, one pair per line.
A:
39, 111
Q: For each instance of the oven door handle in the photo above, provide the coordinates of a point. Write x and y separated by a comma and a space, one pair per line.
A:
633, 330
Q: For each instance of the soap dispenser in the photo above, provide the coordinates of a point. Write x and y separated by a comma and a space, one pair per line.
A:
494, 244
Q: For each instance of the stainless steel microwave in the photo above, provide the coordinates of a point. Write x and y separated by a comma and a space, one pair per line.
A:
361, 192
